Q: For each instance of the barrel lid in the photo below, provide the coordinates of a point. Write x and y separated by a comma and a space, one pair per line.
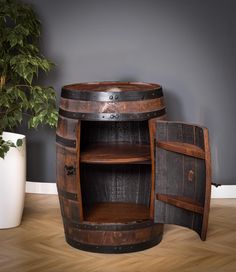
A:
108, 86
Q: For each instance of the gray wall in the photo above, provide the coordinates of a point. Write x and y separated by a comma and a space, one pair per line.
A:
188, 46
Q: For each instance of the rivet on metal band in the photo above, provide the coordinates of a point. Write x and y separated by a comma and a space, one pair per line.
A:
85, 95
112, 116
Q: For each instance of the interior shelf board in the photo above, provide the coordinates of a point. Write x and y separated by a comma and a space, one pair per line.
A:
181, 202
116, 212
183, 148
115, 153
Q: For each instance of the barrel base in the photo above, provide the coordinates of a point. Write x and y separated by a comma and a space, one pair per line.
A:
114, 242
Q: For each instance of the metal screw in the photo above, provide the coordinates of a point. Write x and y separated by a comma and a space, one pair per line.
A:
112, 116
116, 97
111, 97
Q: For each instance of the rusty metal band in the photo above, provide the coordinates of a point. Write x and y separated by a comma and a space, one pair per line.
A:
68, 195
114, 249
111, 96
66, 142
112, 116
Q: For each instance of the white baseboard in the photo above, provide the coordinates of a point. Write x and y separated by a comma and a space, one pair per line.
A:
41, 188
225, 191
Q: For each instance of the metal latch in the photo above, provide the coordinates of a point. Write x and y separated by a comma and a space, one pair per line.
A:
70, 170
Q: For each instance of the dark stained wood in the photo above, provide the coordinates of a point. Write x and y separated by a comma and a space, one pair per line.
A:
182, 182
208, 185
67, 128
114, 132
181, 202
152, 131
134, 105
131, 237
111, 85
119, 238
70, 209
116, 212
115, 183
67, 158
78, 183
110, 107
183, 148
115, 153
104, 168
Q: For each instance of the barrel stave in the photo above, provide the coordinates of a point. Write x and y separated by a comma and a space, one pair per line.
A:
83, 107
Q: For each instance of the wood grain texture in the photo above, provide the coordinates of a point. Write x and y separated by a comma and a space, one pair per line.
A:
116, 212
115, 153
101, 168
208, 184
110, 85
110, 107
38, 244
68, 175
114, 132
181, 202
183, 148
112, 100
116, 183
181, 162
152, 131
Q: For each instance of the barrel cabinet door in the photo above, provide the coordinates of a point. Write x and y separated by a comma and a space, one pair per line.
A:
182, 175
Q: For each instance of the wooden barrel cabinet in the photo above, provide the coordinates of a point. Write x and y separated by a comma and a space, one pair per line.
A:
122, 172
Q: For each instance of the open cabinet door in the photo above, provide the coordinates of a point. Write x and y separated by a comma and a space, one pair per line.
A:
182, 175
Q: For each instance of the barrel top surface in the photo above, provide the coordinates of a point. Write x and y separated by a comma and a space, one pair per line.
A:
112, 86
108, 101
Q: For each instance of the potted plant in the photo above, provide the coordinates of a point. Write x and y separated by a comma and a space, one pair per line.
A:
20, 96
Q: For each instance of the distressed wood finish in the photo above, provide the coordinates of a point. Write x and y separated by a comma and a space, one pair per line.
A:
109, 107
116, 153
104, 238
107, 206
183, 148
114, 101
152, 131
68, 146
125, 212
182, 175
106, 183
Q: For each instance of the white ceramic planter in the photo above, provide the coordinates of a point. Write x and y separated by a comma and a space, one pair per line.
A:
12, 183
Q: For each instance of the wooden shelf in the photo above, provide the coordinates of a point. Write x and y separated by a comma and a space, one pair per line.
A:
181, 202
116, 154
183, 148
116, 212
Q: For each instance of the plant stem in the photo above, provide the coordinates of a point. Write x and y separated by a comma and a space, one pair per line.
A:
2, 81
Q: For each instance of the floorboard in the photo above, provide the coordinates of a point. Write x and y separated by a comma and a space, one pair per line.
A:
39, 245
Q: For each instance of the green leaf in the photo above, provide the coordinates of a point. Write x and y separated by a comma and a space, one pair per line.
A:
20, 63
19, 142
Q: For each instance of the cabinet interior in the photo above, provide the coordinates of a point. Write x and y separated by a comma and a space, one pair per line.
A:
115, 171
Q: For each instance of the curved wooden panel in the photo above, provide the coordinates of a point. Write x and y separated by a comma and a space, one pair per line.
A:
116, 153
109, 107
112, 101
183, 178
112, 91
102, 175
105, 238
68, 176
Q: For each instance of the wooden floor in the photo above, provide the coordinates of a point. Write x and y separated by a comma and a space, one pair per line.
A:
39, 245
